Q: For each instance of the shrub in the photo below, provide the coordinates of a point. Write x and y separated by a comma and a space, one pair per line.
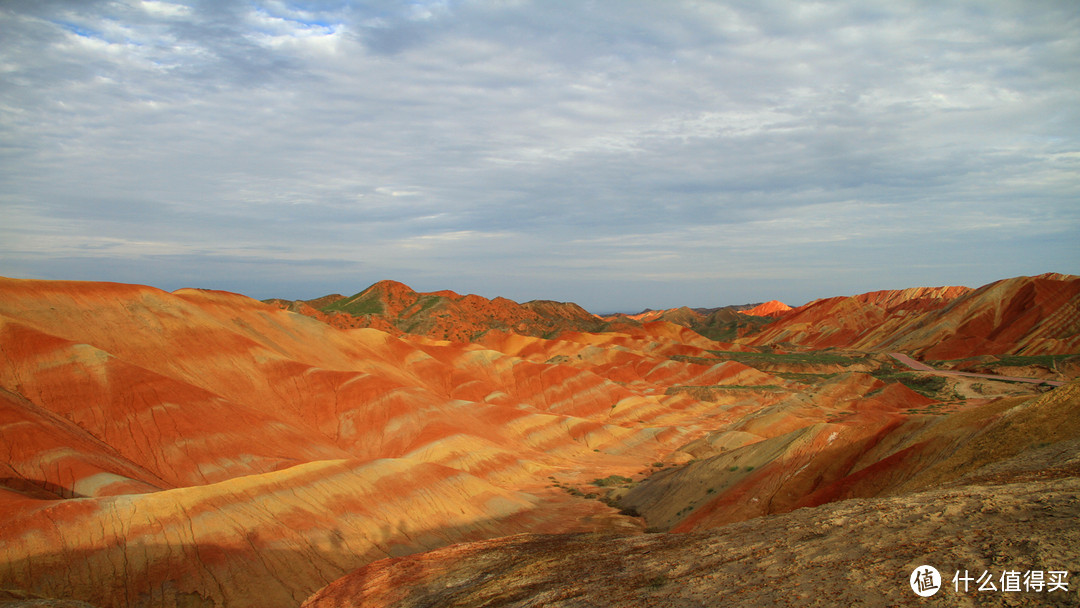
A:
611, 480
657, 581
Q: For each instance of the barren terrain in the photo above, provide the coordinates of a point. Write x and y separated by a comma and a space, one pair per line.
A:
200, 448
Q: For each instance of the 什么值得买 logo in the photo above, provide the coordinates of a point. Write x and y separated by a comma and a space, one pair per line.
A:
925, 581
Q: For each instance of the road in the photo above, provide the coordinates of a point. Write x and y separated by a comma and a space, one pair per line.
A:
922, 367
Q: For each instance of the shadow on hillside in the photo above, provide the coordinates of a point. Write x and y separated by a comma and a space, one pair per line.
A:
250, 573
38, 489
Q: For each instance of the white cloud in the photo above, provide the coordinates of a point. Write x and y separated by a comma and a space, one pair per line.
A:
397, 192
441, 240
589, 138
165, 9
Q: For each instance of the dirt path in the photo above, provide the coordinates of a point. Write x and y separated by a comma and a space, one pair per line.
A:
922, 367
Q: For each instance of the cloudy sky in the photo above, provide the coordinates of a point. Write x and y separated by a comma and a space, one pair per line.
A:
616, 153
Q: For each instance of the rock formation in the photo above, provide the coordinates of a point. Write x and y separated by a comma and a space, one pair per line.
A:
772, 308
1026, 315
199, 448
445, 315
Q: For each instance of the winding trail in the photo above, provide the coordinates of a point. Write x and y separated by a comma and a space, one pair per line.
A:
922, 367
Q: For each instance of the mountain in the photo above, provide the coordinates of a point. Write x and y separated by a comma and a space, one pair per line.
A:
197, 437
1037, 315
445, 315
203, 448
723, 324
772, 308
396, 308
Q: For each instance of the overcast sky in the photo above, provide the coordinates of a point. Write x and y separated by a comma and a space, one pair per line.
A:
618, 154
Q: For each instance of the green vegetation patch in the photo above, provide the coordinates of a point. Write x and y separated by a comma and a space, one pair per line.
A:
423, 304
927, 385
804, 376
1048, 361
696, 360
703, 392
720, 334
357, 305
611, 480
811, 358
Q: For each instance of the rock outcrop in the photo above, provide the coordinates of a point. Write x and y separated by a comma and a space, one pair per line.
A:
1037, 315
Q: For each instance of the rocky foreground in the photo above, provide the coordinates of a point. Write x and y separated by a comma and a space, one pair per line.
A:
1016, 516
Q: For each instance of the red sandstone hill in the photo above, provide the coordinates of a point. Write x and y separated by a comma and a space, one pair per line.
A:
722, 324
772, 308
1025, 315
396, 308
202, 448
444, 315
214, 445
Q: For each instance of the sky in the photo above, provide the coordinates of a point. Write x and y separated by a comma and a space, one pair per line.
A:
620, 154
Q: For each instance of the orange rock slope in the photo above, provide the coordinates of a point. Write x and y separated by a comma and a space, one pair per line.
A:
394, 307
202, 448
1025, 315
887, 441
853, 553
772, 308
164, 449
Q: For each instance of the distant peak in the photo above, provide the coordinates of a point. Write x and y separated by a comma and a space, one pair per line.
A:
772, 308
447, 293
1055, 276
390, 286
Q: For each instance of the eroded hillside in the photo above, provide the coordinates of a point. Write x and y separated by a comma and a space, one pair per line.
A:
851, 553
445, 315
200, 448
1021, 316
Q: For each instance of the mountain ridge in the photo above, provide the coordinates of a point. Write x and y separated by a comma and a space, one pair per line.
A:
395, 307
1035, 315
203, 448
919, 319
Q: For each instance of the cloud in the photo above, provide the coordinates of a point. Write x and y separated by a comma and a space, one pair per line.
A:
478, 140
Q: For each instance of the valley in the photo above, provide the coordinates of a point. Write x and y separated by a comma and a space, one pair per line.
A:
395, 448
